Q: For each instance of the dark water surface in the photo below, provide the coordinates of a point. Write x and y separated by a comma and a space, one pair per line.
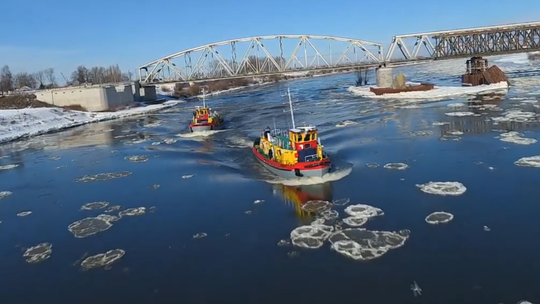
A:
239, 260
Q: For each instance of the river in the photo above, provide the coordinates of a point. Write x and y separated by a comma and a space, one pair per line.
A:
212, 188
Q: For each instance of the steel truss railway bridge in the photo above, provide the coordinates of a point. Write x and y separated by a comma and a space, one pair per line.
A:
294, 54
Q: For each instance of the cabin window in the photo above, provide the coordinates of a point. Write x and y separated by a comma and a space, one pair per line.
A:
307, 146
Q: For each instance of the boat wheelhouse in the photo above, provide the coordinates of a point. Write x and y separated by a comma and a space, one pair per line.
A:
296, 152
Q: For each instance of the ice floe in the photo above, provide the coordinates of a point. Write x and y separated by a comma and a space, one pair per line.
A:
438, 93
95, 206
439, 217
516, 138
311, 236
396, 166
459, 114
132, 212
137, 158
361, 244
329, 215
103, 259
316, 206
454, 132
8, 167
362, 210
360, 214
516, 115
345, 123
284, 242
103, 176
443, 188
38, 253
113, 208
4, 194
91, 225
530, 161
200, 235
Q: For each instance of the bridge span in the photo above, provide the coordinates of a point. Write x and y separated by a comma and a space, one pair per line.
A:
284, 54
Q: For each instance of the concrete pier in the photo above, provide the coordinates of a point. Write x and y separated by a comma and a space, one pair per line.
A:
98, 97
384, 77
92, 98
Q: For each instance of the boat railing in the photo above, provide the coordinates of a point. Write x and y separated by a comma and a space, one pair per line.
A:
279, 132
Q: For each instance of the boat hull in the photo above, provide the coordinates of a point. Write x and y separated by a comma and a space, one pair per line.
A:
297, 171
413, 88
204, 127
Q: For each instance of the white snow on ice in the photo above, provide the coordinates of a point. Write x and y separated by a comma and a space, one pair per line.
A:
15, 124
438, 93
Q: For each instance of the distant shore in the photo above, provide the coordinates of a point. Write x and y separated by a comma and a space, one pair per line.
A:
190, 90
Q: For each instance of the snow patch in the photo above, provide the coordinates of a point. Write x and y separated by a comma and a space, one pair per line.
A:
15, 124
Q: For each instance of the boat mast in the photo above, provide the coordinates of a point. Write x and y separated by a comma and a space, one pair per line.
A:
291, 106
204, 97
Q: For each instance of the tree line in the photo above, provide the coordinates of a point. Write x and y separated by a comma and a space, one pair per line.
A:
9, 82
46, 79
99, 75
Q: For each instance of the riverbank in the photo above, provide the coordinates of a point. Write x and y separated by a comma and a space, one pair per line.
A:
22, 123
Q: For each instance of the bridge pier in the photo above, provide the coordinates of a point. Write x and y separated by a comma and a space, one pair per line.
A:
384, 77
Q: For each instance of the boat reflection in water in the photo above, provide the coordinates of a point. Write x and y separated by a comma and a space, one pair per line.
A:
296, 196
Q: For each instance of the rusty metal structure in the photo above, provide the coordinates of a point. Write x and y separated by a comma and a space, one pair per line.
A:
478, 73
481, 41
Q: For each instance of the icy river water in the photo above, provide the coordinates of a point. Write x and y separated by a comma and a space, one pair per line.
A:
215, 229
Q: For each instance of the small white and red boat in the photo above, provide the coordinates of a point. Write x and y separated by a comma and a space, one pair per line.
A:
204, 118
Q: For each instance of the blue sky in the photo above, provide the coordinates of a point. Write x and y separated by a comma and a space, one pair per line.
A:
64, 34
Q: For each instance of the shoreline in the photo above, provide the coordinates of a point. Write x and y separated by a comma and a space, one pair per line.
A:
18, 124
160, 92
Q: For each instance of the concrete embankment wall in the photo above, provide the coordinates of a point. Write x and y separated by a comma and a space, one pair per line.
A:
98, 97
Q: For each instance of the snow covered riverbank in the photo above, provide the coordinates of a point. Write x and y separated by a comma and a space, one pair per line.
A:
20, 123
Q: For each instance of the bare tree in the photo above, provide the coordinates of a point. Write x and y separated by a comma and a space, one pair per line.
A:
114, 73
24, 79
40, 77
50, 77
6, 80
96, 75
80, 75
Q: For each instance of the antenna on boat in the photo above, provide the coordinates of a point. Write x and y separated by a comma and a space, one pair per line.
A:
291, 106
203, 89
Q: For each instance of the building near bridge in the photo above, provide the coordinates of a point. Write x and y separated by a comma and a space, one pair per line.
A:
98, 97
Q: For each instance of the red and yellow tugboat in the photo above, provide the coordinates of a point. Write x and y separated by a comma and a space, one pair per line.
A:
292, 153
204, 118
